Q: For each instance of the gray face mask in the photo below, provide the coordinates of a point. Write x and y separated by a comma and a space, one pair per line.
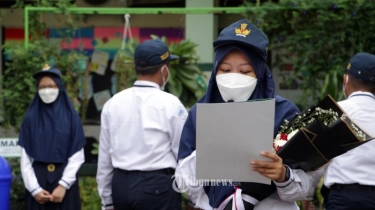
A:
164, 80
235, 87
48, 95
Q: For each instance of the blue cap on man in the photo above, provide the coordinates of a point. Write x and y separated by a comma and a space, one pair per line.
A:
362, 66
152, 53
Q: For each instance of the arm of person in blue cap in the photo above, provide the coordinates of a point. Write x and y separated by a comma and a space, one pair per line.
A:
292, 184
300, 186
273, 169
105, 167
307, 205
58, 194
185, 180
177, 117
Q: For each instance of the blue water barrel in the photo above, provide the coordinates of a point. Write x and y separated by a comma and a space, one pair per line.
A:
5, 183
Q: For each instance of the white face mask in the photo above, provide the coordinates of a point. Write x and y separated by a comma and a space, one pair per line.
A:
235, 86
48, 95
344, 86
164, 80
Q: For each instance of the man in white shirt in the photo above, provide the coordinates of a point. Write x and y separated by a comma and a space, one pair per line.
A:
140, 135
350, 177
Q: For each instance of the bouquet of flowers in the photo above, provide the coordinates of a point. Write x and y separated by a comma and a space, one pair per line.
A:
311, 139
289, 129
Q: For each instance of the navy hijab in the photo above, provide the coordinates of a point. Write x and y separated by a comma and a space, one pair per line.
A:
254, 46
51, 133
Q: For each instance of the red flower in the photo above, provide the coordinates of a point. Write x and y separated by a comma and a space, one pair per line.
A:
284, 136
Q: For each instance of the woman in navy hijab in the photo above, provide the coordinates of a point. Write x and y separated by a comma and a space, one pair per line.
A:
240, 73
52, 142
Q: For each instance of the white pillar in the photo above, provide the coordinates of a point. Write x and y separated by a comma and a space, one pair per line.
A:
201, 29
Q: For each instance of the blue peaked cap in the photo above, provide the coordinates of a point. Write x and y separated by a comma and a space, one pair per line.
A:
245, 33
362, 66
152, 52
47, 70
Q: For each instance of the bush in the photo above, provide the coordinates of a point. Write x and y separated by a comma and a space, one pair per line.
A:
90, 199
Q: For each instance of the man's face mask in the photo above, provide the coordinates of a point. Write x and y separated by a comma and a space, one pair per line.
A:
162, 74
48, 95
235, 86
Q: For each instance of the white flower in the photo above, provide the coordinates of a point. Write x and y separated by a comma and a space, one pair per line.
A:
292, 133
280, 143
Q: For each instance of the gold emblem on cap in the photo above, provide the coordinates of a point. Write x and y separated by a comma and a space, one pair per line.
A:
46, 67
51, 167
348, 67
243, 31
164, 56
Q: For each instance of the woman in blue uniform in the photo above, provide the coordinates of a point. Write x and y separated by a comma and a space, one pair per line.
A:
240, 73
52, 142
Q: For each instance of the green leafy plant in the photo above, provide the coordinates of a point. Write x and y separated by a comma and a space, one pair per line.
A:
90, 199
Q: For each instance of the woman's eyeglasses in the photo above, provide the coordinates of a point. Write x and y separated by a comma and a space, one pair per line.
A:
48, 86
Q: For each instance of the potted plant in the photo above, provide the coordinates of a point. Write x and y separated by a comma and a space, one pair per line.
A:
186, 79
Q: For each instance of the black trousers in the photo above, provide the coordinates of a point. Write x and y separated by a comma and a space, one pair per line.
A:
350, 199
144, 190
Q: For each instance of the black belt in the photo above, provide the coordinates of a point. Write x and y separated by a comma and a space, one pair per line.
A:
352, 187
168, 171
